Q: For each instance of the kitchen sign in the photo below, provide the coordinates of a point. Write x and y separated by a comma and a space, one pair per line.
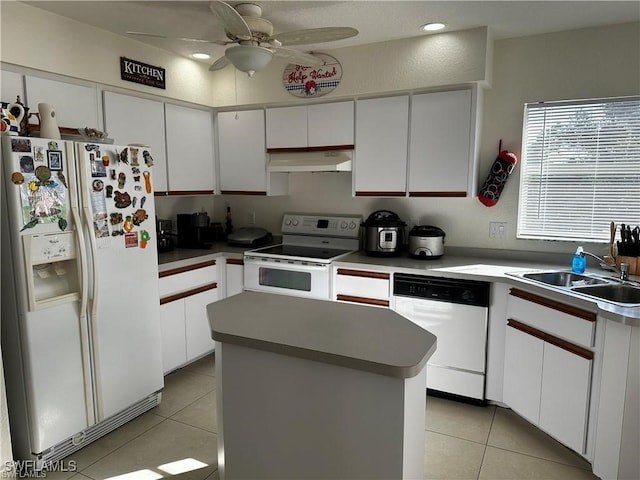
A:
138, 72
306, 81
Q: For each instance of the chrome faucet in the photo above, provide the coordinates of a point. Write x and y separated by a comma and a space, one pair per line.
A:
623, 271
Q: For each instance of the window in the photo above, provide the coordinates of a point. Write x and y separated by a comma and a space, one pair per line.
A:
580, 169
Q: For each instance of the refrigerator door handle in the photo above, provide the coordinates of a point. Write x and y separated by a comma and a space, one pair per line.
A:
94, 294
84, 289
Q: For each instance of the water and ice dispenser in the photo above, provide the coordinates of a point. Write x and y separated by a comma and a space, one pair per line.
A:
51, 263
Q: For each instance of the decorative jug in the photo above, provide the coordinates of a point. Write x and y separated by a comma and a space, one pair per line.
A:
11, 114
48, 123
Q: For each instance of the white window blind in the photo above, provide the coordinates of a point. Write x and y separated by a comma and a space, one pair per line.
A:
580, 169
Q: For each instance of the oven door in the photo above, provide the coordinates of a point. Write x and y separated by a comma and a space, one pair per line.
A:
300, 279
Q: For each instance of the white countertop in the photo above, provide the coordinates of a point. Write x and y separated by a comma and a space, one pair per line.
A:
370, 339
490, 266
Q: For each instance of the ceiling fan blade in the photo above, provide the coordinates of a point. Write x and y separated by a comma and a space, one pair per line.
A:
145, 34
297, 57
232, 20
198, 40
315, 35
219, 64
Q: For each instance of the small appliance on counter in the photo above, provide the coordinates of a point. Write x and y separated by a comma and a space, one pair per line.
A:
164, 235
249, 236
193, 230
383, 233
426, 242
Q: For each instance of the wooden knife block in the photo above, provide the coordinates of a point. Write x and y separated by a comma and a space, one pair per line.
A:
634, 264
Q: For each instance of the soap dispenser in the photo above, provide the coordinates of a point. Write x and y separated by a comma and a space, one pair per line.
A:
579, 262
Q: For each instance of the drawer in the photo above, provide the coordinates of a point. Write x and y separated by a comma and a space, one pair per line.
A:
363, 284
564, 321
179, 280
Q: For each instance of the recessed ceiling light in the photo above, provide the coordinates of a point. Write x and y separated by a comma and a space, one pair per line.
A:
432, 27
201, 56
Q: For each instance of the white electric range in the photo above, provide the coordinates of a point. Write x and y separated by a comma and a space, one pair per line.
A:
301, 264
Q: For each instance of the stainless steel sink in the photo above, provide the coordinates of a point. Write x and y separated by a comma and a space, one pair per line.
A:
622, 294
564, 279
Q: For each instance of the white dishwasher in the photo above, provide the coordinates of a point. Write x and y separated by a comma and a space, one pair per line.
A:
456, 312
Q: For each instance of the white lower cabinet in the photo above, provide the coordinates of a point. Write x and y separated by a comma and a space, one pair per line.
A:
523, 373
184, 295
547, 379
197, 331
361, 286
234, 276
174, 348
564, 399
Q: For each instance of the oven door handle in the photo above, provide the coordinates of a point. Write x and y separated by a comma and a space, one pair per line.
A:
286, 265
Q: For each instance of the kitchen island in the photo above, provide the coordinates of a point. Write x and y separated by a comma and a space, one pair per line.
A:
317, 389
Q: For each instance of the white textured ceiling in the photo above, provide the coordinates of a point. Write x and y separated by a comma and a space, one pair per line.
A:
376, 20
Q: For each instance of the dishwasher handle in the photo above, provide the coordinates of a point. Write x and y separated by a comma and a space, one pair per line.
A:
440, 289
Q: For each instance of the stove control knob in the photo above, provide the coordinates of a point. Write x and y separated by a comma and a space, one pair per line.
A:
352, 225
295, 222
343, 225
287, 221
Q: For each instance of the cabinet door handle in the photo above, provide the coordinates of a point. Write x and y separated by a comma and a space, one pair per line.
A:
553, 340
561, 307
188, 293
363, 273
363, 300
196, 266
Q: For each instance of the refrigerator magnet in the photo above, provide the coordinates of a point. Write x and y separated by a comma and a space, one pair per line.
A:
26, 164
144, 238
20, 145
39, 154
124, 156
134, 156
131, 239
54, 159
17, 178
148, 159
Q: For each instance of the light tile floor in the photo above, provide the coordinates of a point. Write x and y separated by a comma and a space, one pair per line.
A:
462, 441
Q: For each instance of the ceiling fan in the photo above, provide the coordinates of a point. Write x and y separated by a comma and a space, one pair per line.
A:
255, 42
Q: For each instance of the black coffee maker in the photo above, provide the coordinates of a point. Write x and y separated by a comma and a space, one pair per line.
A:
193, 230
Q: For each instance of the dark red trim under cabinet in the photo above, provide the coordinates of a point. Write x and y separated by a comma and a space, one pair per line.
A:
242, 192
364, 300
362, 273
553, 340
438, 194
188, 293
188, 268
381, 194
328, 148
561, 307
235, 261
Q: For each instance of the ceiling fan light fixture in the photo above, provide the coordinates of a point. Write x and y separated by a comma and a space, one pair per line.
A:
201, 56
432, 27
249, 58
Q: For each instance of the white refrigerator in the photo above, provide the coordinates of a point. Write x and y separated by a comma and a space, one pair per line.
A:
80, 306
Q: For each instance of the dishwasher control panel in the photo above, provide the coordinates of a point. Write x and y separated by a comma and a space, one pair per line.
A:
451, 290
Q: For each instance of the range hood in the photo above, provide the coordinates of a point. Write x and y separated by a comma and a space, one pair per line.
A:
311, 161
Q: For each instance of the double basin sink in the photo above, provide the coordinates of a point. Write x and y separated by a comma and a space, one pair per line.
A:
608, 289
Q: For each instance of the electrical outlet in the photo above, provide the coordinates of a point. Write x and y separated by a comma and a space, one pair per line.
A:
252, 218
497, 230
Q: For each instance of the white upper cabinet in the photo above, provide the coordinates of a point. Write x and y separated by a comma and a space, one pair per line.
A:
382, 128
130, 119
321, 125
330, 124
190, 149
76, 105
241, 152
287, 127
441, 152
